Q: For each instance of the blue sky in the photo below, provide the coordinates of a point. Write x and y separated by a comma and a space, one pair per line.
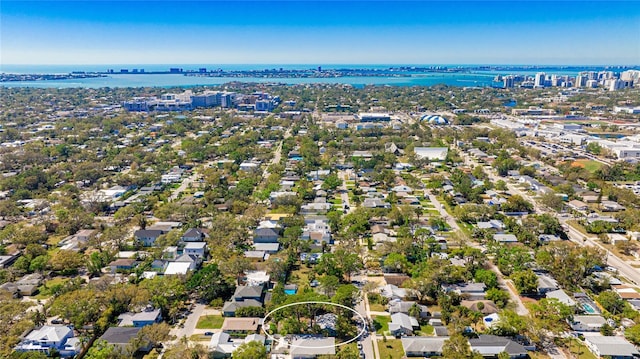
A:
319, 32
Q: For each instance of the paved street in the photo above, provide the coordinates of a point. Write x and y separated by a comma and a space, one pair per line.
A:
190, 324
515, 298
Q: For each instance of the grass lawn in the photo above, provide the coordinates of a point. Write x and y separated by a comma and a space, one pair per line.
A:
44, 291
210, 322
199, 338
589, 165
300, 276
426, 329
381, 323
377, 307
337, 201
537, 355
392, 348
579, 349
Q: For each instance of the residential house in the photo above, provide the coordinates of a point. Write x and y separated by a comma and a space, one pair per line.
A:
423, 347
469, 291
505, 238
194, 235
178, 268
495, 224
197, 249
244, 296
611, 206
241, 325
310, 347
562, 297
431, 153
587, 323
375, 203
328, 322
123, 264
489, 346
7, 260
546, 283
222, 346
49, 338
121, 337
141, 319
577, 205
611, 347
318, 231
267, 247
193, 260
402, 324
265, 235
405, 306
626, 292
391, 291
25, 286
148, 236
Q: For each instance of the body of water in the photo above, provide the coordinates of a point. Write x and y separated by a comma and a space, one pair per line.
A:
177, 80
472, 79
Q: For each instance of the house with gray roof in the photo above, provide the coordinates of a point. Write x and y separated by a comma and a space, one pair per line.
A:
423, 347
193, 235
561, 296
402, 324
244, 296
148, 236
120, 337
489, 346
140, 319
470, 291
309, 347
265, 235
587, 323
405, 306
611, 347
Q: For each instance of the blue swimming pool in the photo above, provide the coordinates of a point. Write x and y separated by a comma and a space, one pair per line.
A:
588, 308
290, 291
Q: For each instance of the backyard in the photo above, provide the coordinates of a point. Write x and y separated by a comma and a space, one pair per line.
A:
391, 348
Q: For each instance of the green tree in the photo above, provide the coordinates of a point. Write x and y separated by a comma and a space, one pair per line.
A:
348, 352
552, 200
510, 324
525, 281
498, 296
209, 283
457, 347
517, 203
594, 147
250, 350
552, 314
331, 182
397, 263
612, 302
607, 330
633, 334
488, 277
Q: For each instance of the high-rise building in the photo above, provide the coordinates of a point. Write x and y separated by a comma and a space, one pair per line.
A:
581, 81
507, 82
539, 80
616, 84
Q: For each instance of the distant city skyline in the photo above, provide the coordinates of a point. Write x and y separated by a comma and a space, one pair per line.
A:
320, 32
